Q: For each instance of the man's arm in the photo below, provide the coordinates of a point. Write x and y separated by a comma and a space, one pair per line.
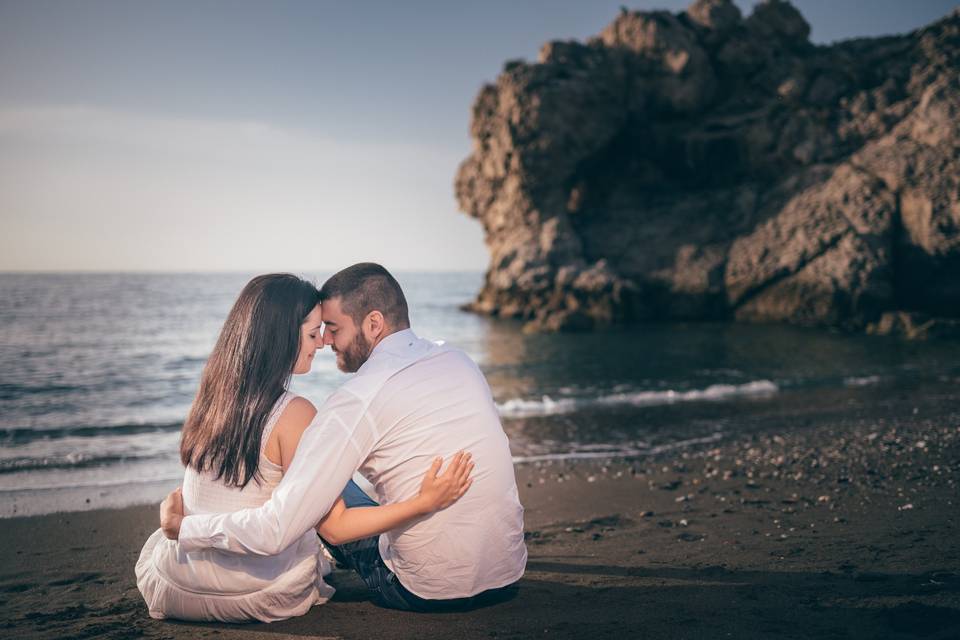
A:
338, 440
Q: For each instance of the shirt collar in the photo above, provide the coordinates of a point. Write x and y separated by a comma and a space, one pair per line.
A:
396, 343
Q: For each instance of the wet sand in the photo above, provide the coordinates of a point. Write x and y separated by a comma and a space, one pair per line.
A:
828, 519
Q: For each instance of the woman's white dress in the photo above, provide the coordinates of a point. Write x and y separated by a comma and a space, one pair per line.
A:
215, 585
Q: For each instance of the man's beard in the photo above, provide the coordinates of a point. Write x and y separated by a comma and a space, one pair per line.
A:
356, 353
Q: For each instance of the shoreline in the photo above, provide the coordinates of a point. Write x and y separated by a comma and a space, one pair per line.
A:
836, 522
606, 431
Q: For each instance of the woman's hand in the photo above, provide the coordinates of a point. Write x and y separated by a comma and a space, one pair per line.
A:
171, 514
439, 492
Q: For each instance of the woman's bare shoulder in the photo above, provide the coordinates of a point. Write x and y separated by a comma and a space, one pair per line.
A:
291, 424
296, 415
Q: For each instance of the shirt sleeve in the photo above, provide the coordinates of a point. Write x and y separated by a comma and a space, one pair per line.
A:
338, 440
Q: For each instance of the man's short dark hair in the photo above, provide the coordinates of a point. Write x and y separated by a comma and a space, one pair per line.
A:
366, 287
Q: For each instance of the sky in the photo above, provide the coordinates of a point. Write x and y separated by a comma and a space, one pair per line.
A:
285, 135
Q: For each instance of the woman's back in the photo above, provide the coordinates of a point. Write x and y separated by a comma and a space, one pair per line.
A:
212, 585
203, 493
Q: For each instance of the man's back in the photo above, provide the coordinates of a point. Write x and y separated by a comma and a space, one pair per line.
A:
438, 406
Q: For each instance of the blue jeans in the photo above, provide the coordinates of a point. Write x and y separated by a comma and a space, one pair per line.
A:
363, 557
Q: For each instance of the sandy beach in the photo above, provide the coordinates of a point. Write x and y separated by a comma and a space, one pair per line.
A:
834, 519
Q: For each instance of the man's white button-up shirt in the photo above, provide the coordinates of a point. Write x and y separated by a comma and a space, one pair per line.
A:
411, 401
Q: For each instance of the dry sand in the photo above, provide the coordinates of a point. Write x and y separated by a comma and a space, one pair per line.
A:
835, 520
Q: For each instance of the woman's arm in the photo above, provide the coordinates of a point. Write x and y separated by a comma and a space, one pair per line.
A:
342, 525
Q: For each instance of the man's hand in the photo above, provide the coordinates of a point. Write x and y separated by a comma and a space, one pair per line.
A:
171, 514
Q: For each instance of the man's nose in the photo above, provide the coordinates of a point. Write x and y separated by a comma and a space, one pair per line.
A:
327, 337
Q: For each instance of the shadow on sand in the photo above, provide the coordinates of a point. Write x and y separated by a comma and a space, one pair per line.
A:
566, 597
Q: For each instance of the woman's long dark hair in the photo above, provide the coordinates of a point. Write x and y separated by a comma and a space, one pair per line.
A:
249, 369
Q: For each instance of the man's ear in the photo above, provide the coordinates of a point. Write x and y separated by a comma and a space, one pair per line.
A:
374, 325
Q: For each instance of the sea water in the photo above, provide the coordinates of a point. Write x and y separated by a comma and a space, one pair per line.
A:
97, 373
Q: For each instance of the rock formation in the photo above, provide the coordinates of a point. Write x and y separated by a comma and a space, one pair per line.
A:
710, 166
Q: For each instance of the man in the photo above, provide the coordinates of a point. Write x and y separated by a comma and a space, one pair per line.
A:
410, 401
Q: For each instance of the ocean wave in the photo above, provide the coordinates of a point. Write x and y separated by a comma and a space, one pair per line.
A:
124, 483
862, 381
23, 435
70, 461
547, 406
184, 361
10, 391
618, 451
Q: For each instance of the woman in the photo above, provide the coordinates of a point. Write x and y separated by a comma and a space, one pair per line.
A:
239, 438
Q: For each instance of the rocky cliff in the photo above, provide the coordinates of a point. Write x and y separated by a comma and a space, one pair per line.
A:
711, 166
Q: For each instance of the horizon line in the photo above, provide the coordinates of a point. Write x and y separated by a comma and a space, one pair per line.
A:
213, 271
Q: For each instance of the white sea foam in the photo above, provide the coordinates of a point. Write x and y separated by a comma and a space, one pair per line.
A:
547, 406
864, 381
586, 452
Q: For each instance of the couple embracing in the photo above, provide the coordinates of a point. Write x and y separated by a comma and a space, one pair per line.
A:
268, 488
